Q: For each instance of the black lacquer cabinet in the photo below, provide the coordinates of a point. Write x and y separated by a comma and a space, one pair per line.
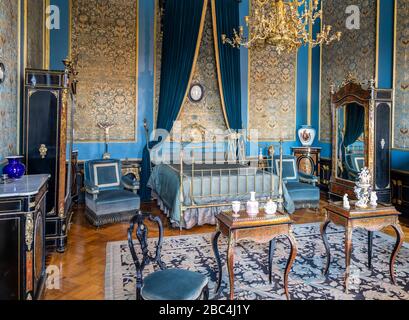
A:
46, 140
22, 238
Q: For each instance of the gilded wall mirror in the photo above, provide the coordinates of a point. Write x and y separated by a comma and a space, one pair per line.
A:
351, 141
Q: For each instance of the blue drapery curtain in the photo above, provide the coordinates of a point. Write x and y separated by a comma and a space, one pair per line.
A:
226, 18
354, 127
354, 123
181, 28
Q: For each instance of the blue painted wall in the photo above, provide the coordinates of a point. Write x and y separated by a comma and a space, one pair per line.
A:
59, 50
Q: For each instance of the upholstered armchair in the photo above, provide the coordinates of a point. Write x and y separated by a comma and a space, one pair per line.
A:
110, 197
302, 187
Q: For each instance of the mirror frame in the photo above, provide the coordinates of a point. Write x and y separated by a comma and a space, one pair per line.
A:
351, 91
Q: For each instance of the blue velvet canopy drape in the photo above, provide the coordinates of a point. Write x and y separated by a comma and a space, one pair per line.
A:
226, 18
181, 29
355, 123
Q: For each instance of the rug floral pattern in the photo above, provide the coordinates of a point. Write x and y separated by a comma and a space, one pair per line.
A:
251, 279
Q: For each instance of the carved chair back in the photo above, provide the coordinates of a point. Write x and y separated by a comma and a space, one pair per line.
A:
145, 258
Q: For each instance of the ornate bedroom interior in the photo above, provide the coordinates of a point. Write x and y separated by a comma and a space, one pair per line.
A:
285, 174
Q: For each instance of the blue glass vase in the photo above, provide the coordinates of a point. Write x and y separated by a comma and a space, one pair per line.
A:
14, 169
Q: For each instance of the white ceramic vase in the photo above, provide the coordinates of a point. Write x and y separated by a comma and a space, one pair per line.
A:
306, 134
252, 205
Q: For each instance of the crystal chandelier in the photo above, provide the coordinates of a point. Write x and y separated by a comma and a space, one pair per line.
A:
284, 24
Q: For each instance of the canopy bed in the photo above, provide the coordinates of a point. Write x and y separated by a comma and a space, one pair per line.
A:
361, 122
181, 189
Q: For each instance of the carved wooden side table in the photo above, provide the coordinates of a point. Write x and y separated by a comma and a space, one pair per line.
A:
260, 229
372, 220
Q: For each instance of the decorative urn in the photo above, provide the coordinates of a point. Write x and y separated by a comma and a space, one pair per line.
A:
14, 169
306, 134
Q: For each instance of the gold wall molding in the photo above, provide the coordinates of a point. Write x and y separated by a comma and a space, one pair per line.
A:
272, 93
46, 37
356, 53
104, 46
400, 131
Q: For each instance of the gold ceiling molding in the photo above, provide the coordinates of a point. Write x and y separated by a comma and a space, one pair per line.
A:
400, 131
356, 53
104, 47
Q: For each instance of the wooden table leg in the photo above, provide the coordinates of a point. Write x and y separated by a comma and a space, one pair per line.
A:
370, 249
399, 241
230, 264
219, 273
270, 260
293, 254
324, 227
348, 253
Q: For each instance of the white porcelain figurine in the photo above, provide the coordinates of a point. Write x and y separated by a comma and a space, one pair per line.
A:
363, 189
347, 206
374, 199
252, 205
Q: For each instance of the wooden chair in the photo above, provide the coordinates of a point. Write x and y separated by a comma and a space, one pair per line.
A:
165, 284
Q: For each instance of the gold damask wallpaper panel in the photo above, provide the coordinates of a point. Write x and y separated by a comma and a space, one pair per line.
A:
401, 105
272, 93
208, 112
356, 53
9, 55
104, 47
35, 34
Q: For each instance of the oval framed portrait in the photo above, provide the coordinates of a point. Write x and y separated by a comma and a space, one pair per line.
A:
196, 93
2, 72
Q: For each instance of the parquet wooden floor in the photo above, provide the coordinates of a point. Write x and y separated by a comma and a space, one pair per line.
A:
82, 266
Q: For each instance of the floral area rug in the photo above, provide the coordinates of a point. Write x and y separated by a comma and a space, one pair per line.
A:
251, 267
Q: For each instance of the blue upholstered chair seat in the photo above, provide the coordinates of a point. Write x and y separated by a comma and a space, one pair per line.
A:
110, 201
173, 284
303, 192
114, 196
